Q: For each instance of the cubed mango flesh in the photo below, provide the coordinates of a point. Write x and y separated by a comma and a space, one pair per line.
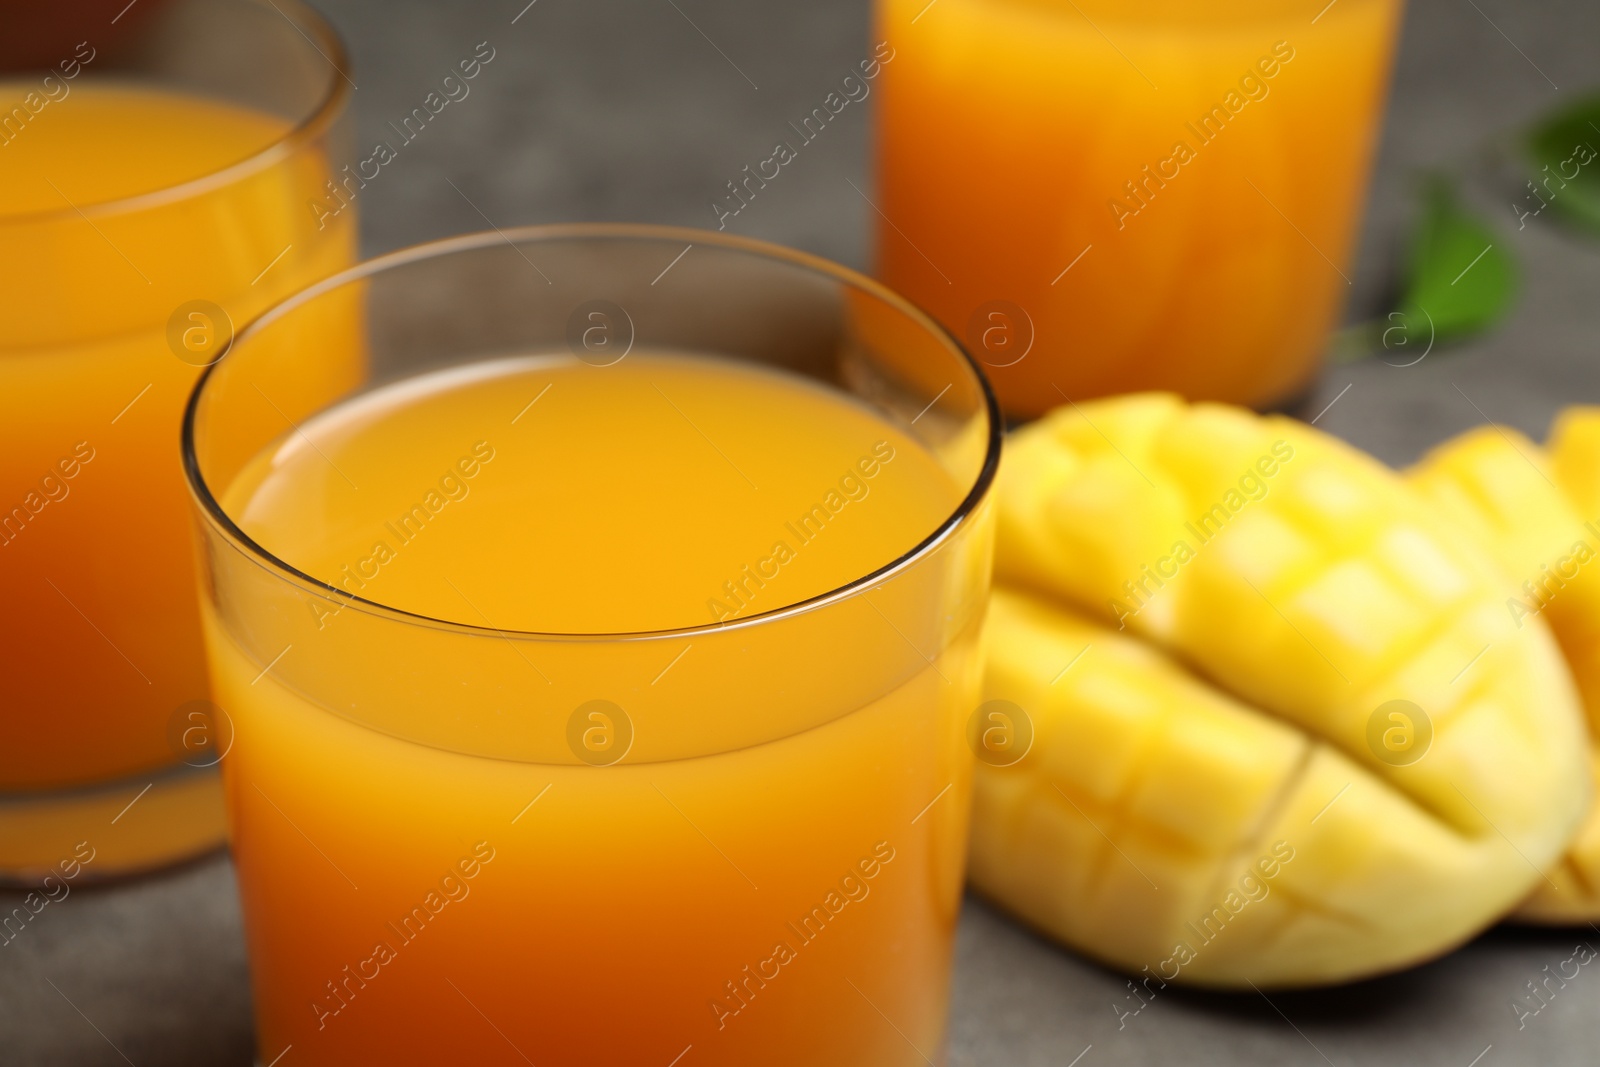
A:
1270, 721
1538, 513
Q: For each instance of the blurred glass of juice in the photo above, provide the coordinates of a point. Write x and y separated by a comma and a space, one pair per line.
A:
155, 189
1102, 197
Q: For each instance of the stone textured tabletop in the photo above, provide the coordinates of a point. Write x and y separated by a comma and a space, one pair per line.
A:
624, 109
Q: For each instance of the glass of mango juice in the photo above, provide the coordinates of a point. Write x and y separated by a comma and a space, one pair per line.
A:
595, 612
1103, 197
154, 188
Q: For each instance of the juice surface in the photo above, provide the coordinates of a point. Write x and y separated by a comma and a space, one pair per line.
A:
100, 644
100, 143
766, 903
1102, 197
658, 493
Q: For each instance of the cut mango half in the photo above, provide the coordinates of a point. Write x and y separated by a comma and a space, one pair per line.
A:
1539, 514
1255, 710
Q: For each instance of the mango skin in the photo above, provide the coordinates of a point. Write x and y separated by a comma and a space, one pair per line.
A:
1226, 722
1538, 513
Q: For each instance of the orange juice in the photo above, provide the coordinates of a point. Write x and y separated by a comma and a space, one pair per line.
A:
136, 222
710, 844
1104, 198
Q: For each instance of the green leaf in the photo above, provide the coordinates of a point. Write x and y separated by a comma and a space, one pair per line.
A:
1460, 280
1460, 276
1565, 167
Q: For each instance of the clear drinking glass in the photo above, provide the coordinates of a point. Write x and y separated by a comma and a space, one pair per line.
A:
157, 183
730, 842
1102, 197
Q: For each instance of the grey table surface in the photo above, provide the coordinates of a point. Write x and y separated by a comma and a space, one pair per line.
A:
624, 109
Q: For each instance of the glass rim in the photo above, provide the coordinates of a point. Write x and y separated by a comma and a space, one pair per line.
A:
1203, 22
212, 508
321, 35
